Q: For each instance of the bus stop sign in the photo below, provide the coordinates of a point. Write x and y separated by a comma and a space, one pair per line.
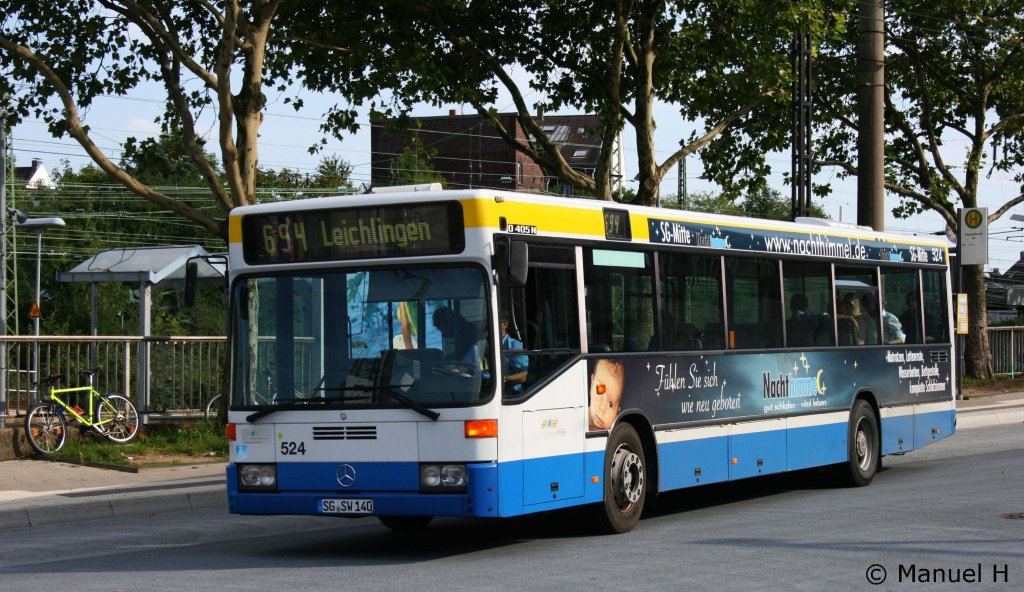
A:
974, 236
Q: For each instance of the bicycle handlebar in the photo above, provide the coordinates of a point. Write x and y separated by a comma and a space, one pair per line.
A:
53, 378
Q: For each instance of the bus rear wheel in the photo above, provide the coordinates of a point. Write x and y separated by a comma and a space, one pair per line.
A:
625, 480
864, 455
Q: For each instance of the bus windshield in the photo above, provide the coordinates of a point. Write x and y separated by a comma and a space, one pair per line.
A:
414, 338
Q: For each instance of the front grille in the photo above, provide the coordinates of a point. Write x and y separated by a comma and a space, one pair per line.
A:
344, 432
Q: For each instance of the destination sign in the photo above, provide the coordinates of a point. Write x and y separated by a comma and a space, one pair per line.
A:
408, 230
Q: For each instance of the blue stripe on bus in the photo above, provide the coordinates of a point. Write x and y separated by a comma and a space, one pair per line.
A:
929, 427
541, 484
897, 434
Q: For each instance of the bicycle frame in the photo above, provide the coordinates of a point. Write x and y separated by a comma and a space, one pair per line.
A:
96, 399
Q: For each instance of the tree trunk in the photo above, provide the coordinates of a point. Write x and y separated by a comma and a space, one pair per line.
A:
977, 358
647, 161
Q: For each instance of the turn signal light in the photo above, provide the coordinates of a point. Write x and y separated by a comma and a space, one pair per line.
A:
481, 428
230, 431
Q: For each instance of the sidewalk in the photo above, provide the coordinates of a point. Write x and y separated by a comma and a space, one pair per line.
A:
38, 492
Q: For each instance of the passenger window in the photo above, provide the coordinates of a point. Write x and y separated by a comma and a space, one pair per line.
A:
856, 291
936, 313
901, 297
620, 300
808, 295
755, 304
691, 302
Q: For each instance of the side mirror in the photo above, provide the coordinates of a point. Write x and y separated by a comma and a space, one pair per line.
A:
518, 264
191, 283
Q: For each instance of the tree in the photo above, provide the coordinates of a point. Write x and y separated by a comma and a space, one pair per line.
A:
59, 57
764, 203
722, 63
954, 114
415, 165
102, 215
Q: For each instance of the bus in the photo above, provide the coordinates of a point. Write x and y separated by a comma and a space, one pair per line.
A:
484, 353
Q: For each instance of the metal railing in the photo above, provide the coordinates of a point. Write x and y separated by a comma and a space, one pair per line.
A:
164, 376
1006, 346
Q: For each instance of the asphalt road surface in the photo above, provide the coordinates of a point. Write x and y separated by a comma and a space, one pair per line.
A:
948, 517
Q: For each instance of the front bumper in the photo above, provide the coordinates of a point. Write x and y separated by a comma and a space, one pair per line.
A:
394, 496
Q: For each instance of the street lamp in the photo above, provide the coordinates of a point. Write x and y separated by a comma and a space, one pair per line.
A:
38, 226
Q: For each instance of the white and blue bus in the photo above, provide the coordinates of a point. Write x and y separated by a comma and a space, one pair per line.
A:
484, 353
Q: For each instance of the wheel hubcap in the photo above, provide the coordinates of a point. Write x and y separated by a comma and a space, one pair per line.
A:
627, 476
863, 447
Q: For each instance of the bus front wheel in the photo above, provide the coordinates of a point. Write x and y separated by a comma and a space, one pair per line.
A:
864, 454
625, 479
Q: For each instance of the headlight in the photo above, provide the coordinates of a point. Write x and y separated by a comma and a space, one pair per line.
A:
257, 477
443, 478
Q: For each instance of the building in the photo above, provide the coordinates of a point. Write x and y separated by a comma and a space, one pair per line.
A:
469, 153
35, 176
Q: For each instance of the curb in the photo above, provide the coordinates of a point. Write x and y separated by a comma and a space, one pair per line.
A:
55, 509
988, 418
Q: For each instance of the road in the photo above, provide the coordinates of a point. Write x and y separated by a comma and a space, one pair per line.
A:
947, 511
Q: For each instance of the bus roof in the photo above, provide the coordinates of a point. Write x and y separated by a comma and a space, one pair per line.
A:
589, 218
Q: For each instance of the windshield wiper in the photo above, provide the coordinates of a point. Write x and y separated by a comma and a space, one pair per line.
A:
287, 404
414, 405
392, 389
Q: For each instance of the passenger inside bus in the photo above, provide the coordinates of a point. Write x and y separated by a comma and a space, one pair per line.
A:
803, 325
459, 336
892, 330
911, 321
514, 367
846, 317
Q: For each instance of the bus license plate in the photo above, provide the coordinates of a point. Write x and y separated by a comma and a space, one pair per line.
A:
346, 506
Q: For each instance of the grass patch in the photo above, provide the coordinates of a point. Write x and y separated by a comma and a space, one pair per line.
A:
1001, 380
154, 445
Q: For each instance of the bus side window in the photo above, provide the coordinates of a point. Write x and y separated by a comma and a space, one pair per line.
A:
620, 300
755, 304
691, 302
936, 320
808, 296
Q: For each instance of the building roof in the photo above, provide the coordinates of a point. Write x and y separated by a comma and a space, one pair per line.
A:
34, 176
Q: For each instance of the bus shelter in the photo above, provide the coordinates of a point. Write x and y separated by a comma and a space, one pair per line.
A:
146, 267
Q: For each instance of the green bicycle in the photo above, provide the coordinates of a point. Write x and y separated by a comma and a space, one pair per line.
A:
113, 416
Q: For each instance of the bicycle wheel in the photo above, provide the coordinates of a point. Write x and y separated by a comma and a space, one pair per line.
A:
117, 418
211, 409
45, 428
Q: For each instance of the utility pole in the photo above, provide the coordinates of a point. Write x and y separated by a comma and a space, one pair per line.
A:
681, 195
3, 265
871, 115
802, 111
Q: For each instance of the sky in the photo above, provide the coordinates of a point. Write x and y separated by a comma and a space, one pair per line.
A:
286, 135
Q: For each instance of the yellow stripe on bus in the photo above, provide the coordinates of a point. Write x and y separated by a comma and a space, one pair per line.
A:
483, 213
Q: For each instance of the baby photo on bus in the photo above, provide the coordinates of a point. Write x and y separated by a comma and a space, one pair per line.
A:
606, 382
